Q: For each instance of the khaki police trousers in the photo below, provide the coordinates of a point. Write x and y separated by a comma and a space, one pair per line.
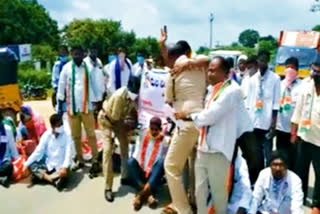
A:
181, 147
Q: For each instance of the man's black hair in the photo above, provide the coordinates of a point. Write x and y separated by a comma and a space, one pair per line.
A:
252, 60
55, 119
224, 64
134, 84
185, 46
279, 155
230, 61
264, 53
292, 61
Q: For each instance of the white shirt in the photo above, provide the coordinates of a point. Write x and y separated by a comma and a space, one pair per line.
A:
57, 150
284, 117
270, 98
289, 201
241, 193
125, 75
138, 70
97, 78
65, 86
302, 111
225, 120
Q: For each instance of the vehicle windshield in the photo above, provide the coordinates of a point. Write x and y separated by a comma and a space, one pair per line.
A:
304, 55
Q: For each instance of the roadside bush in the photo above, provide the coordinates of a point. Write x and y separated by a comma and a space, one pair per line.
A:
34, 78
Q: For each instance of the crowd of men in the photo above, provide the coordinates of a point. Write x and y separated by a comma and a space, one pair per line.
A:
221, 136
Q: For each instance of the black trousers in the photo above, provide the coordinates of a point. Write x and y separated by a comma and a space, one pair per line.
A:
308, 153
6, 170
252, 153
284, 145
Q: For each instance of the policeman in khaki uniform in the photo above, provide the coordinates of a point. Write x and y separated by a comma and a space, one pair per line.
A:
118, 116
185, 92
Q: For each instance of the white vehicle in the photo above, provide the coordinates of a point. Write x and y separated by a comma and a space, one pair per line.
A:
226, 54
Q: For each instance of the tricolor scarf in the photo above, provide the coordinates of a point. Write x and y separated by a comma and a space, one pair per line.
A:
305, 125
154, 153
117, 73
215, 94
286, 100
3, 142
72, 105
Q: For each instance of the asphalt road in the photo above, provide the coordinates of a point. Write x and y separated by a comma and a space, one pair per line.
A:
83, 195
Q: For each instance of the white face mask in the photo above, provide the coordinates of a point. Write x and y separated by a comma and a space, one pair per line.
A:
132, 96
59, 130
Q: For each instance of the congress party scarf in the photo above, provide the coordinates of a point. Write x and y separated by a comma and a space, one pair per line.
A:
216, 92
154, 153
305, 125
85, 103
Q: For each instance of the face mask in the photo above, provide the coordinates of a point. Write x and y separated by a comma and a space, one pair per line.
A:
251, 71
59, 130
63, 59
291, 75
111, 57
132, 96
140, 60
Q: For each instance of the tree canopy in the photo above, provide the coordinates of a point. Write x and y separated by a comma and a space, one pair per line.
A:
249, 38
26, 21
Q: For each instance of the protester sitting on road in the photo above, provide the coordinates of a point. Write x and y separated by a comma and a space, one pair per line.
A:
241, 194
52, 158
146, 166
30, 129
112, 119
277, 190
8, 152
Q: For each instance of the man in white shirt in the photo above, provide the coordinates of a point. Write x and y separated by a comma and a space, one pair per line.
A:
53, 156
76, 87
289, 95
262, 102
252, 68
306, 126
277, 190
98, 82
242, 68
219, 130
120, 71
140, 66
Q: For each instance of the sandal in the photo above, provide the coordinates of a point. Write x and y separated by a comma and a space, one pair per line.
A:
137, 203
169, 210
152, 202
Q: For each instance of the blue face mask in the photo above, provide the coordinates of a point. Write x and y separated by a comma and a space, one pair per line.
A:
111, 58
63, 58
140, 60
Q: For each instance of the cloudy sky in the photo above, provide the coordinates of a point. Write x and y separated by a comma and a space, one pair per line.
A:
189, 19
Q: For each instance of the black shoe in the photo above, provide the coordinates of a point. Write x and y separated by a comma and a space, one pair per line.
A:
108, 195
5, 182
59, 184
77, 165
125, 181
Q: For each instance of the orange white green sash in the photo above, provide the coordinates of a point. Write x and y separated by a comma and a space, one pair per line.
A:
215, 94
72, 101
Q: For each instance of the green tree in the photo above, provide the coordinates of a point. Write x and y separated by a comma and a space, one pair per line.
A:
43, 53
315, 7
108, 35
26, 21
249, 38
203, 50
316, 28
